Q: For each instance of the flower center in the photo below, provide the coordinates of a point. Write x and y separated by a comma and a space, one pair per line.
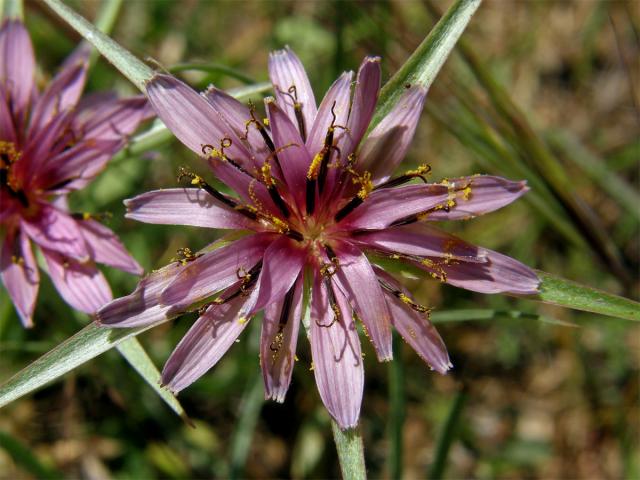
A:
9, 156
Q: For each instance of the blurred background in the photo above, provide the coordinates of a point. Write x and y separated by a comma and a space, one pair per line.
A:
546, 91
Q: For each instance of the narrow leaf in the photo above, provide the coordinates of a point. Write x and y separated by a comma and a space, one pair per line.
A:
566, 293
140, 361
25, 458
555, 290
88, 343
132, 68
427, 60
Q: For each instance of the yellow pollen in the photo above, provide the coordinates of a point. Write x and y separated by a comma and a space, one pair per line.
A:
265, 170
466, 193
314, 168
242, 320
265, 122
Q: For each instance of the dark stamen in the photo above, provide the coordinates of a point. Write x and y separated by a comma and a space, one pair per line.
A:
277, 199
295, 235
311, 196
348, 208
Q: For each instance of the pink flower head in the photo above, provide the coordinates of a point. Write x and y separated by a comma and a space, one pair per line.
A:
51, 145
316, 199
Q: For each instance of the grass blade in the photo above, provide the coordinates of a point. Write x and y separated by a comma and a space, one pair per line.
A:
24, 457
427, 60
135, 354
397, 412
447, 436
88, 343
565, 293
247, 421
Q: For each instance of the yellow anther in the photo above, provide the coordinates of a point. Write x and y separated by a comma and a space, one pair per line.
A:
265, 171
265, 122
405, 299
466, 193
314, 168
366, 185
424, 169
282, 227
242, 320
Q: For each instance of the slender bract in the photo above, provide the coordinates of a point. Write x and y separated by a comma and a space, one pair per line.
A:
53, 143
317, 198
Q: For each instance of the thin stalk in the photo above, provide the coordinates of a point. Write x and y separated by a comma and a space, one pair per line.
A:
248, 418
11, 9
213, 68
397, 402
132, 68
105, 21
350, 452
448, 435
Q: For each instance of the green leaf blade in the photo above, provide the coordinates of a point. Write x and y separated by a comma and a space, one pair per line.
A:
135, 354
565, 293
88, 343
425, 63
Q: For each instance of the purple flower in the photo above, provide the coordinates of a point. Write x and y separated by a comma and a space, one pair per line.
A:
51, 145
318, 201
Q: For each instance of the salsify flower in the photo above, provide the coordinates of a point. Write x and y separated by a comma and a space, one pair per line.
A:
50, 145
318, 203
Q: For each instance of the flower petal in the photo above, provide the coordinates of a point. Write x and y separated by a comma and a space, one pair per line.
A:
293, 156
74, 168
236, 116
112, 119
477, 195
142, 306
190, 116
204, 344
337, 358
184, 206
7, 128
105, 247
386, 206
62, 93
358, 282
500, 274
58, 231
365, 98
420, 240
386, 146
282, 263
20, 275
278, 342
336, 101
17, 65
215, 270
415, 327
81, 285
286, 71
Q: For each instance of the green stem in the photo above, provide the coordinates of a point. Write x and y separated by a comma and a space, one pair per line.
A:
448, 435
350, 452
213, 68
105, 21
132, 68
426, 61
248, 418
397, 409
11, 9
